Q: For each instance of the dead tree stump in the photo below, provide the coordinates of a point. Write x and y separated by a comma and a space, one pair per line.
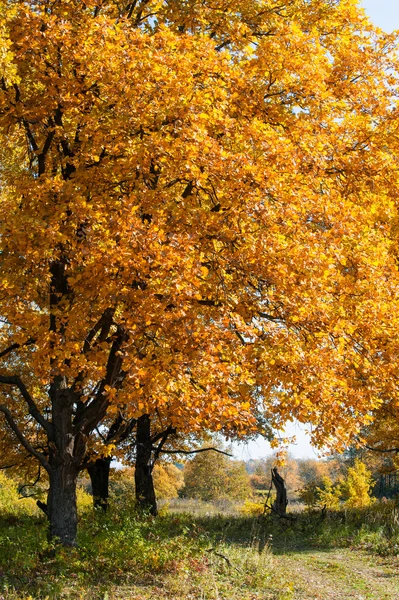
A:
281, 501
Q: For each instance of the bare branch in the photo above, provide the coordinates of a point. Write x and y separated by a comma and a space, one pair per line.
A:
15, 347
269, 317
13, 425
239, 335
9, 349
119, 433
162, 438
209, 303
195, 451
381, 450
288, 517
26, 485
33, 410
213, 550
159, 436
222, 45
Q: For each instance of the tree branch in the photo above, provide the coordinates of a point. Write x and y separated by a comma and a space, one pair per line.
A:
119, 430
95, 411
213, 550
103, 325
288, 517
222, 45
159, 436
15, 347
269, 317
163, 436
380, 449
33, 410
11, 422
26, 485
195, 451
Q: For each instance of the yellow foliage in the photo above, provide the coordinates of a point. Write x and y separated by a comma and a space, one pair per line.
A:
11, 503
358, 485
251, 508
168, 480
329, 495
84, 500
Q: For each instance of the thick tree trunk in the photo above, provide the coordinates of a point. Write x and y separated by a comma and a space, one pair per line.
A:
67, 450
145, 493
280, 503
99, 476
61, 504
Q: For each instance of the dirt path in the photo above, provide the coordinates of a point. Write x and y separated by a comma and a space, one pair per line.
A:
340, 575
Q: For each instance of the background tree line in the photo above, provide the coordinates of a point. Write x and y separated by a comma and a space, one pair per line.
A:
353, 477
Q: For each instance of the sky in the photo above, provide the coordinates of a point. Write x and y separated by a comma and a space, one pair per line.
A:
385, 14
260, 448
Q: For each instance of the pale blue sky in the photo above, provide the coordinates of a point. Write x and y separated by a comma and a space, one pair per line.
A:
385, 14
260, 448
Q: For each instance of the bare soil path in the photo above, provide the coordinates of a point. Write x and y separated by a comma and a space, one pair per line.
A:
339, 575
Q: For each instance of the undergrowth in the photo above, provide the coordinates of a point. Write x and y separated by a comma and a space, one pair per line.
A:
171, 556
176, 555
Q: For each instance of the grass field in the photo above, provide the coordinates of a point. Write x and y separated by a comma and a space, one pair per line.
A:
203, 556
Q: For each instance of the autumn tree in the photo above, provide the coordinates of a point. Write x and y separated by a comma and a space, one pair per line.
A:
193, 224
212, 476
314, 470
321, 493
358, 485
168, 480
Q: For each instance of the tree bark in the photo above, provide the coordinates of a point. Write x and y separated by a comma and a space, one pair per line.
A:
145, 493
280, 503
66, 452
99, 477
61, 504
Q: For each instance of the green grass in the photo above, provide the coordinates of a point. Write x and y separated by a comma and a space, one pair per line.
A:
206, 556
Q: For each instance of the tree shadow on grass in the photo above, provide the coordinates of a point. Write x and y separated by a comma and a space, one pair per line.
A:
123, 547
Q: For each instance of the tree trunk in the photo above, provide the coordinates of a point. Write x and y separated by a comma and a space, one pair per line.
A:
280, 503
61, 504
66, 452
145, 493
99, 476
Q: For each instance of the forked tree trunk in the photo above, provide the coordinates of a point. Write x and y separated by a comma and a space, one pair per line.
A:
145, 493
281, 501
99, 477
61, 504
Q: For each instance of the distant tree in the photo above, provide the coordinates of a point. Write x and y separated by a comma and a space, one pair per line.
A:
308, 494
259, 483
261, 478
239, 486
312, 470
321, 493
168, 480
212, 476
